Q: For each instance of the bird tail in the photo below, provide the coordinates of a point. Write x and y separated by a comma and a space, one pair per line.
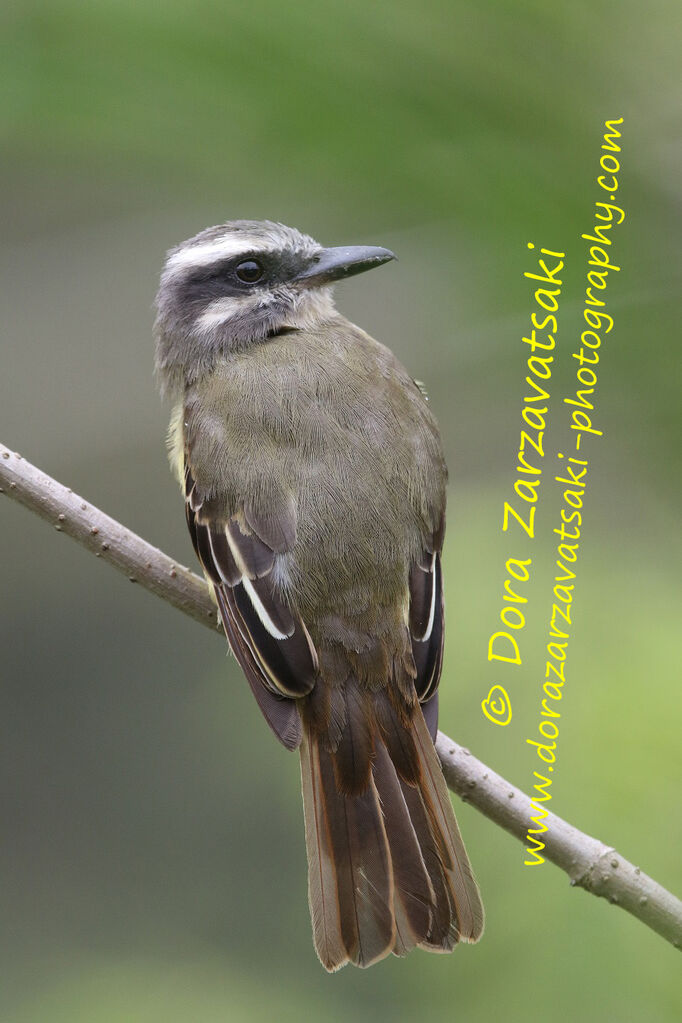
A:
387, 868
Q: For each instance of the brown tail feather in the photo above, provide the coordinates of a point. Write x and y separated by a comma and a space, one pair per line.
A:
414, 895
461, 883
322, 888
387, 867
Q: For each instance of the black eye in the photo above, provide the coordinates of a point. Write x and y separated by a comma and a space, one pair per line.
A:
249, 271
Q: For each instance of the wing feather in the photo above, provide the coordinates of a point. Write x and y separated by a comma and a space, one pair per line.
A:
269, 640
426, 624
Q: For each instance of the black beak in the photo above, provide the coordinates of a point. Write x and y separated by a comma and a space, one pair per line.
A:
345, 261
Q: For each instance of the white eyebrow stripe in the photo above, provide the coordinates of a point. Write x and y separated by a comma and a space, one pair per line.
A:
211, 252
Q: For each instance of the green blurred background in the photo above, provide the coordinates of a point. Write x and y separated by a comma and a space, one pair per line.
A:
153, 864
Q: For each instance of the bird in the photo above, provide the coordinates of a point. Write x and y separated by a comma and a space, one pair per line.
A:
315, 489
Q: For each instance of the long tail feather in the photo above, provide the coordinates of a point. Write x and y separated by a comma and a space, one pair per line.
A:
322, 887
387, 867
462, 885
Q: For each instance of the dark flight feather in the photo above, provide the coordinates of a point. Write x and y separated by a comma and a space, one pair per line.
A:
422, 600
271, 644
280, 713
223, 558
289, 661
426, 626
430, 712
253, 556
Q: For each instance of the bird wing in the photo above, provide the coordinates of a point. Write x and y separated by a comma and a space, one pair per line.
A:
426, 623
270, 641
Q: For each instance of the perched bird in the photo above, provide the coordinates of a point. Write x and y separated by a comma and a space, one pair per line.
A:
314, 485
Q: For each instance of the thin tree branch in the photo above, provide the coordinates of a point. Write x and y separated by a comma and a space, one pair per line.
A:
105, 537
588, 862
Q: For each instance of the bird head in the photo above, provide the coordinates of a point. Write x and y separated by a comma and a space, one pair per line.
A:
242, 282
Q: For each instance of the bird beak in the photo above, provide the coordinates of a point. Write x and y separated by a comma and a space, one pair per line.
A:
343, 261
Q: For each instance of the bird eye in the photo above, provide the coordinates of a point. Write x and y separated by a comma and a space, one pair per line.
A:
249, 271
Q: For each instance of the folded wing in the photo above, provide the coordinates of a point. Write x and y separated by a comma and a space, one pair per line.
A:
271, 643
426, 621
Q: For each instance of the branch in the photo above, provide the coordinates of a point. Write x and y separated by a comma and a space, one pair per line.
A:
588, 862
